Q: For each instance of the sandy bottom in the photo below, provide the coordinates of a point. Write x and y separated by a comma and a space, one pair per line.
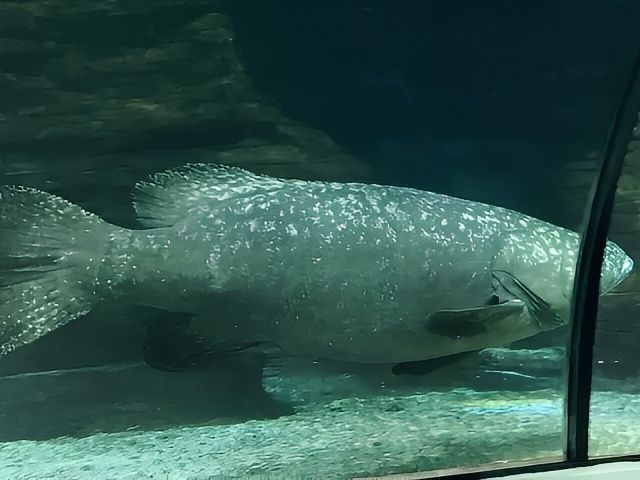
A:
349, 437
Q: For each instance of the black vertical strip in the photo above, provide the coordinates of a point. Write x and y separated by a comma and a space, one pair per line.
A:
587, 279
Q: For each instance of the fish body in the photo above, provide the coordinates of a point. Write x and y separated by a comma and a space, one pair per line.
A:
342, 271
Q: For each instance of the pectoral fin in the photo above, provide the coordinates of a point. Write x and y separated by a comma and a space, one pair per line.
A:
470, 322
540, 310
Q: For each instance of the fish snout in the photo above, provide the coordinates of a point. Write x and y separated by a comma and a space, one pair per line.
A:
616, 266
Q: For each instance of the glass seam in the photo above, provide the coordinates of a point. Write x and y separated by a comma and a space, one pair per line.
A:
584, 305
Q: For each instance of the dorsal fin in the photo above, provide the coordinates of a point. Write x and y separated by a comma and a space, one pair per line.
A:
166, 197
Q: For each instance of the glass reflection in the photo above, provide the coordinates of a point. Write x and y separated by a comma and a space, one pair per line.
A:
615, 401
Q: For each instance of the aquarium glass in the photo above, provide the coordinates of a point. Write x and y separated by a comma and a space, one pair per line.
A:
304, 239
615, 401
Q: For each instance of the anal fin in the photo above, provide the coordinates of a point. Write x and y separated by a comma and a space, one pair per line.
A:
425, 367
170, 346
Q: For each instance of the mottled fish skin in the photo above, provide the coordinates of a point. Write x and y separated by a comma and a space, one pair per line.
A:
343, 271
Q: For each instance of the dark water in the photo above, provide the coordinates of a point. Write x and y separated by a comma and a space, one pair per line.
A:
487, 100
502, 102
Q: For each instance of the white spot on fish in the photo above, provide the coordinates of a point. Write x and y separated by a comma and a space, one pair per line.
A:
391, 207
539, 254
291, 230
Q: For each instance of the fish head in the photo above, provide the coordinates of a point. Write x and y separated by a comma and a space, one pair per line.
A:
616, 266
544, 278
545, 258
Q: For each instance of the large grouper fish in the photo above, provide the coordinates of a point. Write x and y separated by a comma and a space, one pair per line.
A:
338, 271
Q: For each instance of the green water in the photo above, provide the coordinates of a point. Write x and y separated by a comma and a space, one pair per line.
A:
499, 103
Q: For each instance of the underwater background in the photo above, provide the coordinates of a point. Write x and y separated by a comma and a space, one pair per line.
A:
507, 103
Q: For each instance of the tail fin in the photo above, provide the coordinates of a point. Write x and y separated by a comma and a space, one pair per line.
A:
50, 251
